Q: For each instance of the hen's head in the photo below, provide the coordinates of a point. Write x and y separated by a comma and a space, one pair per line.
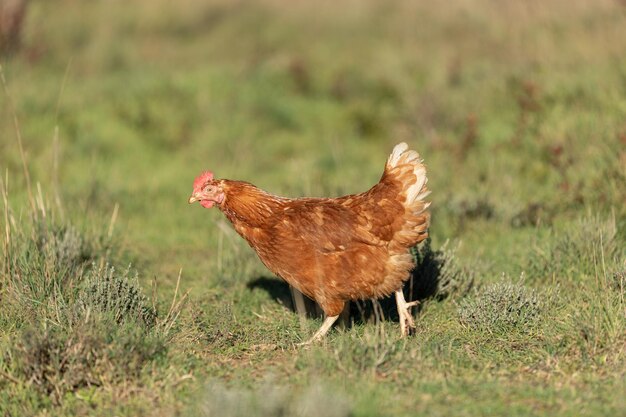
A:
206, 190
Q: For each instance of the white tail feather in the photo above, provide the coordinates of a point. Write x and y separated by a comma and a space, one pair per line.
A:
405, 166
395, 154
403, 158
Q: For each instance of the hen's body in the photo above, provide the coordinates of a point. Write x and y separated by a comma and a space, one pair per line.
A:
337, 249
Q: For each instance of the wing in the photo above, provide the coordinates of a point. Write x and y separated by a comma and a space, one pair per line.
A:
326, 225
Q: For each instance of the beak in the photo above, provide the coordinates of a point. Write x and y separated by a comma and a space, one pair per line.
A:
193, 198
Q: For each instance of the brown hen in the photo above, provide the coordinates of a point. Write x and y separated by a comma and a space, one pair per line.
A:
334, 249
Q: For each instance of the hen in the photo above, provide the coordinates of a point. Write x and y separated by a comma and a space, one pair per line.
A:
334, 249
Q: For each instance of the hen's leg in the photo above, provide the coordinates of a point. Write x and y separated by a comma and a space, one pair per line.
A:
328, 323
406, 319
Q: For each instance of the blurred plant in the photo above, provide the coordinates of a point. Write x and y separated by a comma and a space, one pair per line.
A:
618, 283
529, 101
469, 139
465, 209
12, 13
533, 214
271, 400
584, 249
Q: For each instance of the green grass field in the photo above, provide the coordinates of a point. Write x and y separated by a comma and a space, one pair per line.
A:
518, 108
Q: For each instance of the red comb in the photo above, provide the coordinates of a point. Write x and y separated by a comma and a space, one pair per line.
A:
201, 179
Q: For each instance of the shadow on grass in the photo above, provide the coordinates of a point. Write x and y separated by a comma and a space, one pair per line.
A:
276, 288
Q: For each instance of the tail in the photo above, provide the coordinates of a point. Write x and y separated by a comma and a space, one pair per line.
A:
405, 166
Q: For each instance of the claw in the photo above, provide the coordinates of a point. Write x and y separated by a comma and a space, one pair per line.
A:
407, 325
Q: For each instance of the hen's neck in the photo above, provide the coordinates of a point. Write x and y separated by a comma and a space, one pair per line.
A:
247, 205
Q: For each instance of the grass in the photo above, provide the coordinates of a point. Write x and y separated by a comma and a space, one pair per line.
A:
518, 110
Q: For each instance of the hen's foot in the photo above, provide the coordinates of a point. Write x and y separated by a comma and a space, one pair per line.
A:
328, 323
407, 325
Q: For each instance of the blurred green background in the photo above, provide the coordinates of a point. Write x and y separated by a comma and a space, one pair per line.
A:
510, 103
517, 107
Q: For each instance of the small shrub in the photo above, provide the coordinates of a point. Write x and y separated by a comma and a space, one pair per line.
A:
62, 245
45, 260
109, 292
60, 360
501, 307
